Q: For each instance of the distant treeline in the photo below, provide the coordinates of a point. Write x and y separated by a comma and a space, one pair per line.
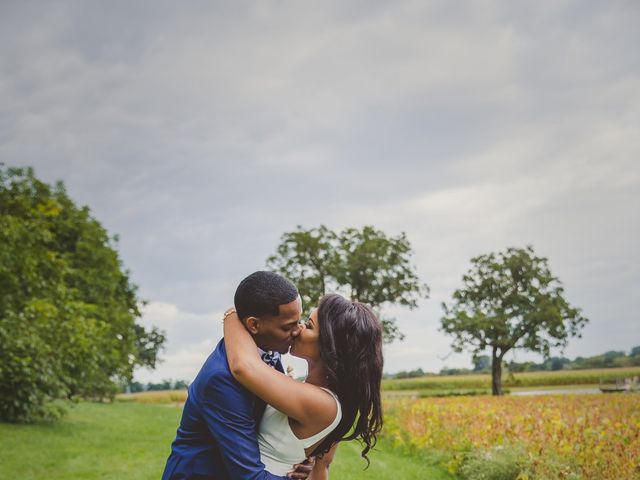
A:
135, 387
610, 359
482, 364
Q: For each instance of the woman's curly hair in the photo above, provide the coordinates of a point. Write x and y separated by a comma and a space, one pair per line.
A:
351, 349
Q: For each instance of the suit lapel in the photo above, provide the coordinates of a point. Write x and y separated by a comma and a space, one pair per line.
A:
279, 365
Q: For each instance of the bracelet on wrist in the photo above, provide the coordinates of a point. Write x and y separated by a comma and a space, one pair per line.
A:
227, 313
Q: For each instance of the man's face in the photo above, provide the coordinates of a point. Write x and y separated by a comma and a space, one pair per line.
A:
277, 333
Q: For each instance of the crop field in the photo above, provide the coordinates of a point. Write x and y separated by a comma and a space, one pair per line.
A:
160, 397
555, 436
526, 379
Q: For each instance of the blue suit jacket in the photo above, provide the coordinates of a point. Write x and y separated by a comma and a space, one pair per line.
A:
216, 438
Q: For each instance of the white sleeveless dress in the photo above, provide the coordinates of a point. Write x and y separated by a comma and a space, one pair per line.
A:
279, 447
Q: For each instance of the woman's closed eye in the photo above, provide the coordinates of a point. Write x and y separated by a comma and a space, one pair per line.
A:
305, 321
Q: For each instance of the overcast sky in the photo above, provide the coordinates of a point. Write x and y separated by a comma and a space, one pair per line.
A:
200, 132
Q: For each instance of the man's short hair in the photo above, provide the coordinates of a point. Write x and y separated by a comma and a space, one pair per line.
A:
262, 293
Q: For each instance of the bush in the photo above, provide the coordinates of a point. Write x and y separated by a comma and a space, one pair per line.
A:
67, 307
497, 463
512, 462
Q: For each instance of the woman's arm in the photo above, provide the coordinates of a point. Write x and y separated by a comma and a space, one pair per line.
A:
321, 468
305, 403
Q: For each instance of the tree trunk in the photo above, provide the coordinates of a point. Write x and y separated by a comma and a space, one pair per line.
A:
496, 372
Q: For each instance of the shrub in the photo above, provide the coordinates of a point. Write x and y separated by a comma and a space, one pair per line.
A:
497, 463
68, 309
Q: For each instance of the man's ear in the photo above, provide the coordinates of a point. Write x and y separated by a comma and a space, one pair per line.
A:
251, 324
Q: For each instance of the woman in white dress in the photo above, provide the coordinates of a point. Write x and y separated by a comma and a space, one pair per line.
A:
340, 400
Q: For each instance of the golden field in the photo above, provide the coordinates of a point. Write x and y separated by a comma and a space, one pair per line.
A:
164, 397
561, 436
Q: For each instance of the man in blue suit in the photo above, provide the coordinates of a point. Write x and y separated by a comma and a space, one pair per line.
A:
216, 439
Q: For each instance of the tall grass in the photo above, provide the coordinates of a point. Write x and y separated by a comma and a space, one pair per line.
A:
159, 397
527, 379
589, 436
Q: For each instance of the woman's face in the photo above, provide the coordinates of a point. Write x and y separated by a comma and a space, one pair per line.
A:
307, 344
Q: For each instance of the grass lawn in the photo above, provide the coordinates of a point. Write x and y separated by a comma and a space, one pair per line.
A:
94, 441
132, 440
386, 463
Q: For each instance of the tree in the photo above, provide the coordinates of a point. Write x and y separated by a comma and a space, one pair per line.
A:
634, 356
481, 363
556, 363
510, 300
410, 374
181, 385
308, 258
68, 310
366, 265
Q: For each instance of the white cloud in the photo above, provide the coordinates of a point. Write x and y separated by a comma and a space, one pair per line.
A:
201, 133
191, 338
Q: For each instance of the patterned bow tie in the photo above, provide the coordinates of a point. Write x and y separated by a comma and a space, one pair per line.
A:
271, 358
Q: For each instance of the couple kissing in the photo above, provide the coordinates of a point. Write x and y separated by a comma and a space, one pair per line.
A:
245, 419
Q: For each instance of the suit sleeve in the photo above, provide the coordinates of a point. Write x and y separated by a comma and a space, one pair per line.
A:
228, 412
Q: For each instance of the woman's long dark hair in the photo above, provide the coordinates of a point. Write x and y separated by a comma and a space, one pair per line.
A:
351, 349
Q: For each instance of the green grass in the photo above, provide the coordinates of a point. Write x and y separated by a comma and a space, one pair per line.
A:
132, 440
386, 463
94, 441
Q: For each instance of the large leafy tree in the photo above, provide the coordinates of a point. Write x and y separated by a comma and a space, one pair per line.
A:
510, 300
365, 264
68, 309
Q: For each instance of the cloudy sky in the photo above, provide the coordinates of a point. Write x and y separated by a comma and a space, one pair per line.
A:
201, 131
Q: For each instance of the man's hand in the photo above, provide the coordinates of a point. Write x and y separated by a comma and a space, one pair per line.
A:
302, 470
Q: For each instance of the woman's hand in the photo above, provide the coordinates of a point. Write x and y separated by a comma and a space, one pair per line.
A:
242, 351
301, 471
321, 468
